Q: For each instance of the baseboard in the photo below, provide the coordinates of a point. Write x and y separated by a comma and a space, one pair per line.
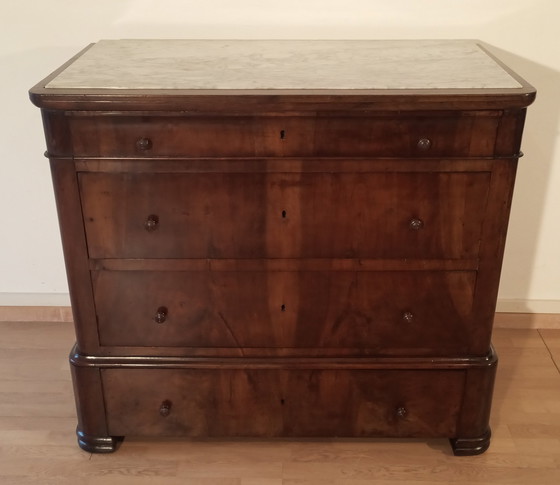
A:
35, 314
34, 299
506, 305
527, 313
527, 320
35, 307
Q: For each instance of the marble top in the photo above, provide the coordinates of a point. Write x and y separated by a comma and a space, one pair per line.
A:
284, 64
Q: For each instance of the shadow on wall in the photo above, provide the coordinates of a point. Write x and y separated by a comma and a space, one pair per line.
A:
533, 177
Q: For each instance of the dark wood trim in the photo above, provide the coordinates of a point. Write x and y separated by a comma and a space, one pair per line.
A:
283, 265
40, 86
75, 253
97, 444
477, 403
55, 125
526, 86
96, 361
288, 164
510, 131
299, 102
492, 247
471, 446
90, 405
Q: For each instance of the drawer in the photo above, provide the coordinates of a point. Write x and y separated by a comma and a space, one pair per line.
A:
269, 402
389, 136
377, 313
284, 215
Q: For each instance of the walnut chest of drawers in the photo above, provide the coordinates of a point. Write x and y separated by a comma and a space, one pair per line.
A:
283, 238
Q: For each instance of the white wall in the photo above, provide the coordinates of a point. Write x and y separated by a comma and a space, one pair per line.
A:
36, 37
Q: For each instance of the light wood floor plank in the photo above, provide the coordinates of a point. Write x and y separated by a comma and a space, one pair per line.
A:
38, 445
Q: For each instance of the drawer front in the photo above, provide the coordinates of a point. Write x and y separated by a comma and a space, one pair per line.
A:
284, 215
381, 313
402, 136
266, 402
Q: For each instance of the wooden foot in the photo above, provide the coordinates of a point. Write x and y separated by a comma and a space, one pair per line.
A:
97, 444
471, 446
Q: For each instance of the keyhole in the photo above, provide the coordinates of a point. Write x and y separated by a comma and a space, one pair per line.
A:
284, 214
283, 308
282, 134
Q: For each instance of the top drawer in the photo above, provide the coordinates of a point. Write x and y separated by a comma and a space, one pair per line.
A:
454, 135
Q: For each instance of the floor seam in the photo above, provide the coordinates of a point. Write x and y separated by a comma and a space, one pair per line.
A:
549, 351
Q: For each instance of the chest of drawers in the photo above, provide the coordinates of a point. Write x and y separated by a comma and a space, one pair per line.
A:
283, 238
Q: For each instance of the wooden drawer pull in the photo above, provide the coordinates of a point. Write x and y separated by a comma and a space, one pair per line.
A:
144, 144
401, 412
416, 224
408, 317
165, 408
161, 314
424, 144
152, 222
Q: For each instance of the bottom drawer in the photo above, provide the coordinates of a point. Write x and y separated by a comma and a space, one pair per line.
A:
273, 402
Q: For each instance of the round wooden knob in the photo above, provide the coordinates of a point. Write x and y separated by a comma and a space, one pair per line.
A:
416, 224
401, 412
408, 317
152, 222
424, 144
165, 408
161, 314
143, 143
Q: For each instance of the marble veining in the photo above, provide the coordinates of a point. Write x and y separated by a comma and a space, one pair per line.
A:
284, 64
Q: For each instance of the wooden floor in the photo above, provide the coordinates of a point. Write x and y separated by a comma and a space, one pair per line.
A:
38, 446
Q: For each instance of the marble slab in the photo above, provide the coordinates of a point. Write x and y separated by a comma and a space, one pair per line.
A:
284, 64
